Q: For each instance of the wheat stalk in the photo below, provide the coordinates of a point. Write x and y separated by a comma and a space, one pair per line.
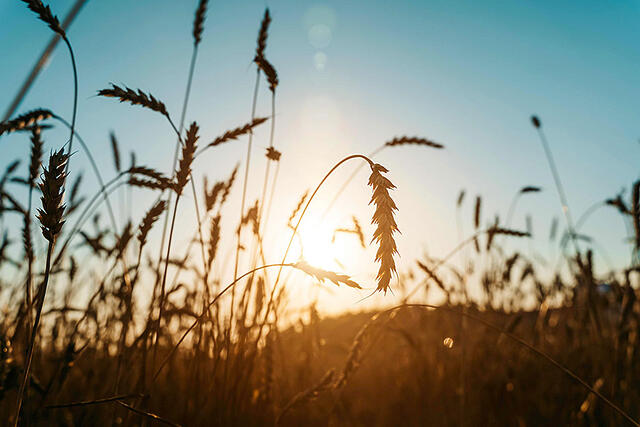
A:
398, 141
182, 176
556, 178
50, 216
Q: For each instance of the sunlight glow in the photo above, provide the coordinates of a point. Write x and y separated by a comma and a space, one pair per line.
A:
318, 249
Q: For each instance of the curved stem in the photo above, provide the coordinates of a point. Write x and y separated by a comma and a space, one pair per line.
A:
587, 214
94, 166
348, 181
204, 312
75, 95
295, 230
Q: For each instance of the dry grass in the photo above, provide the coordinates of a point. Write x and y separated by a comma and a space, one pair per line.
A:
127, 337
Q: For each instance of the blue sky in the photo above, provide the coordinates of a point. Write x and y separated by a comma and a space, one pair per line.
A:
354, 74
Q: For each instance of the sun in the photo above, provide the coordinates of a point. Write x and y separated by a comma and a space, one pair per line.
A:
318, 246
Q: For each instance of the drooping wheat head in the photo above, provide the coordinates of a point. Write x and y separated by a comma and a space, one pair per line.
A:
383, 218
269, 71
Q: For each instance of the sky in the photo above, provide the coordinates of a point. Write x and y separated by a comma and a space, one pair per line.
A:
353, 75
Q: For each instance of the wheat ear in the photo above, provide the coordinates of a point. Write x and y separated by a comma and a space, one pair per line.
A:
25, 120
50, 216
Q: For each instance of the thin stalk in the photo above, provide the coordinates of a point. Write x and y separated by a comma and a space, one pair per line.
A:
94, 402
94, 166
185, 103
34, 332
246, 177
75, 96
242, 206
211, 303
348, 181
561, 194
164, 282
267, 170
262, 224
42, 60
28, 296
295, 230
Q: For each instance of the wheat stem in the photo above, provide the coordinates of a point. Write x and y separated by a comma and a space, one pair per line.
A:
34, 332
295, 230
211, 303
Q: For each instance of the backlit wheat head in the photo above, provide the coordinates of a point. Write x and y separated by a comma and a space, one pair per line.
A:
52, 188
383, 218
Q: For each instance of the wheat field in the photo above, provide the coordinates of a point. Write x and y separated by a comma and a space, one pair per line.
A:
190, 314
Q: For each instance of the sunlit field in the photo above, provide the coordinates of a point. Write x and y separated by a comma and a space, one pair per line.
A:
176, 250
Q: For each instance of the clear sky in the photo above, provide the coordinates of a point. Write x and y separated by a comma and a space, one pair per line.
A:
354, 74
